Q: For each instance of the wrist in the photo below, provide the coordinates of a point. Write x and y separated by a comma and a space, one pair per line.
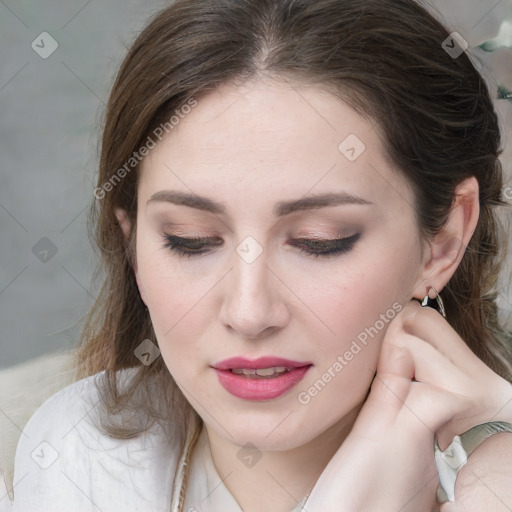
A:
455, 466
484, 482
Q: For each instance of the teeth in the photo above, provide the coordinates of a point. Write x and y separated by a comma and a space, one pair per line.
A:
260, 372
241, 371
265, 372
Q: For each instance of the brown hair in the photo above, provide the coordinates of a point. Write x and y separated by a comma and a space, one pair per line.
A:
385, 59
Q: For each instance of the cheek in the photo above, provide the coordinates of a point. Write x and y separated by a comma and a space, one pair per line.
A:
356, 321
349, 300
167, 291
354, 308
357, 308
179, 300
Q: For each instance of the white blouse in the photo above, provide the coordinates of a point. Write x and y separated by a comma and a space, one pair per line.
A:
65, 463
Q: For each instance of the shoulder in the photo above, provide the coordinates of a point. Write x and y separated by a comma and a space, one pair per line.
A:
63, 457
65, 415
58, 418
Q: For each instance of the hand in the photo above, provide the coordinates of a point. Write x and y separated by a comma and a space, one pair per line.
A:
428, 382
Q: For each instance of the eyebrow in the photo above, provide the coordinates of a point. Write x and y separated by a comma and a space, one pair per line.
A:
280, 209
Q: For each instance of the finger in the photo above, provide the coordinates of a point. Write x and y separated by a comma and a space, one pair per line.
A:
426, 363
438, 390
450, 395
396, 358
387, 395
427, 324
433, 367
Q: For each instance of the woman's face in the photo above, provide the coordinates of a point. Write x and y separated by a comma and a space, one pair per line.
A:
266, 173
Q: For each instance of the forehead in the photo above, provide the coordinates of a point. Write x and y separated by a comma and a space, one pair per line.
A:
272, 137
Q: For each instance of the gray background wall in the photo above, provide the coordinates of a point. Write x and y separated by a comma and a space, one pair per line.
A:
51, 110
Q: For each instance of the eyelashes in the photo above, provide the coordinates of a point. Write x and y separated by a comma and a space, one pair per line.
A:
325, 248
190, 246
316, 248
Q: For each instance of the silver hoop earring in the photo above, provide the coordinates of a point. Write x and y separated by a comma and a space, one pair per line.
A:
438, 299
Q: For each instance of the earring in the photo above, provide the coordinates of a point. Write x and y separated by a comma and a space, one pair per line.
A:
438, 300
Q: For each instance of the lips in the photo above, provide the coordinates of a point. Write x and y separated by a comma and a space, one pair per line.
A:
264, 378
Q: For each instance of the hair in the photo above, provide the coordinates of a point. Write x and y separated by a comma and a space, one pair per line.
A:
385, 59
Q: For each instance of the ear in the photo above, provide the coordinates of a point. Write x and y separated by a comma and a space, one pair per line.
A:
445, 251
124, 221
126, 226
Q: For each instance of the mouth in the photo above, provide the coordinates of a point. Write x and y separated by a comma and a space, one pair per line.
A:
265, 378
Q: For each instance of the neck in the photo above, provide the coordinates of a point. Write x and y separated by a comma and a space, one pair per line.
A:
280, 480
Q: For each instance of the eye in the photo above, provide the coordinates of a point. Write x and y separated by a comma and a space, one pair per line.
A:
190, 246
317, 248
326, 248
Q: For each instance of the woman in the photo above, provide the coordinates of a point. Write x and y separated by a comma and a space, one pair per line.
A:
283, 185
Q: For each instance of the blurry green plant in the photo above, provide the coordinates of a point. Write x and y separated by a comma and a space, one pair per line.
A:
502, 40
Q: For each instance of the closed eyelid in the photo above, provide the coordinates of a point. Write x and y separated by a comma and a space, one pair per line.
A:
325, 248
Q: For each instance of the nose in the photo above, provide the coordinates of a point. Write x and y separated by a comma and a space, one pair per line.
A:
254, 303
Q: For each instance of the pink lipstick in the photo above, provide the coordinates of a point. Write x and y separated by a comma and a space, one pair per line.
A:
264, 378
